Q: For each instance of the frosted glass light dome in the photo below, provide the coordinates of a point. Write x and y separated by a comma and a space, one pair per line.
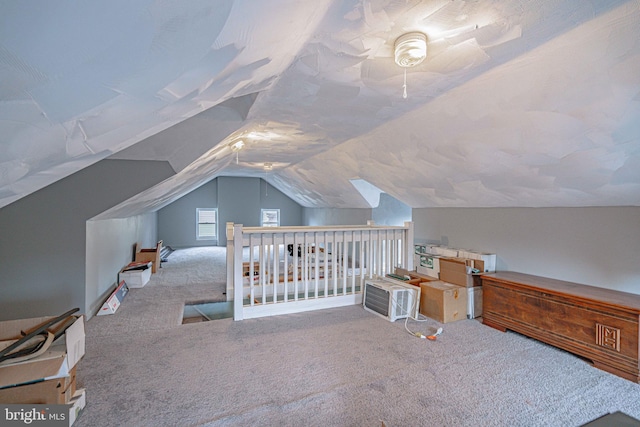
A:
410, 49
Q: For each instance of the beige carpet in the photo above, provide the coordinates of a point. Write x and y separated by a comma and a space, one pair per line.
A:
189, 275
337, 367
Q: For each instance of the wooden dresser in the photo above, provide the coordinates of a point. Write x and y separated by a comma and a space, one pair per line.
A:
598, 324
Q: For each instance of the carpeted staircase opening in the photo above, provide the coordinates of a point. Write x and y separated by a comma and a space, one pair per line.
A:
207, 311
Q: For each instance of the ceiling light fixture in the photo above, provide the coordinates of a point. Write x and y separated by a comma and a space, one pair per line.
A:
238, 145
410, 50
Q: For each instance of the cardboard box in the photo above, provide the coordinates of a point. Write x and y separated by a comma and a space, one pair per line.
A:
428, 272
402, 278
56, 391
76, 405
476, 264
136, 275
429, 261
416, 277
49, 377
474, 302
454, 270
429, 265
112, 303
484, 262
443, 302
444, 251
459, 272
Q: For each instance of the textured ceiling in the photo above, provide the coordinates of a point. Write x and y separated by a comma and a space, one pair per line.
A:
532, 103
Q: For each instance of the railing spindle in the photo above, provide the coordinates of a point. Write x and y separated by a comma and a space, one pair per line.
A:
316, 264
325, 264
276, 265
285, 273
296, 264
252, 271
345, 257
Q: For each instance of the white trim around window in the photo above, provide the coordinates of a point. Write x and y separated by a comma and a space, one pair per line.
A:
270, 217
206, 224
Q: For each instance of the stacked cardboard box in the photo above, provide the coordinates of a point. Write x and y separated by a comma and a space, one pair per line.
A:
427, 259
49, 378
460, 271
456, 271
459, 267
443, 301
429, 262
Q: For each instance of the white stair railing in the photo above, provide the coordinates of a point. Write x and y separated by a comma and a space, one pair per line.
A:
280, 270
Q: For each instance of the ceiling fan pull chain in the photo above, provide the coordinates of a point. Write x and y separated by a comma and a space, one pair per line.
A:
404, 86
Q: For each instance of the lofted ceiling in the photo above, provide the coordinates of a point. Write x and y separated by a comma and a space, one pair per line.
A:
519, 103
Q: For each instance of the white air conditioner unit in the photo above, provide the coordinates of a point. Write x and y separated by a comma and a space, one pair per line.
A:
391, 299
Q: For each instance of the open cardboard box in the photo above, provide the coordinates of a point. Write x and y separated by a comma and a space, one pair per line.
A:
136, 274
50, 376
415, 277
455, 270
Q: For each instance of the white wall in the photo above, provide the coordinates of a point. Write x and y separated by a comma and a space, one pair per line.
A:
111, 246
598, 246
335, 216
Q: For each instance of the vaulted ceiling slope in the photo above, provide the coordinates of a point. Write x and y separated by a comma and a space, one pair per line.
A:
532, 103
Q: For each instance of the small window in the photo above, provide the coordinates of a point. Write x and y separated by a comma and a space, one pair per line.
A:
207, 224
270, 218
